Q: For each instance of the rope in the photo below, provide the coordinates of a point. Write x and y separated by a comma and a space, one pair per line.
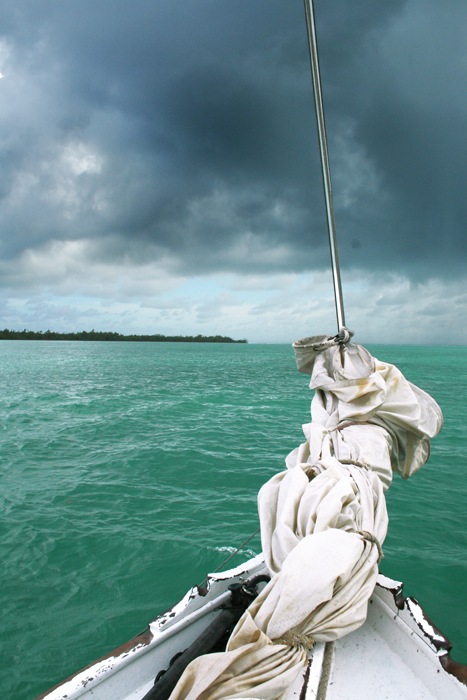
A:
297, 641
350, 462
348, 423
231, 556
371, 538
341, 338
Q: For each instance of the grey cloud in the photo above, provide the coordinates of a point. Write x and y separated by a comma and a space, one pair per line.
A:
189, 130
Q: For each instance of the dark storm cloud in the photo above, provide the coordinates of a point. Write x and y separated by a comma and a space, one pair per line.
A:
189, 128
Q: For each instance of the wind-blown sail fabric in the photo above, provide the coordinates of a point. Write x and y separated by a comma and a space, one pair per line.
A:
323, 521
354, 388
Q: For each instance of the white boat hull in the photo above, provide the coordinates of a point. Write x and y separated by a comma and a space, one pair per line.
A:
396, 654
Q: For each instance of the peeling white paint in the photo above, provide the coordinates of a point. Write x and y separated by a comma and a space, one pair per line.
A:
74, 687
424, 624
389, 583
174, 611
238, 570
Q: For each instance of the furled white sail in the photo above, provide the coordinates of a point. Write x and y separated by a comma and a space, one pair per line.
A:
323, 521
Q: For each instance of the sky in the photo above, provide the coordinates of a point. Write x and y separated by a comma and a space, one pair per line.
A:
159, 168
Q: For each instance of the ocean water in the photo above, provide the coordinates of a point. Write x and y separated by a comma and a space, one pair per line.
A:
130, 470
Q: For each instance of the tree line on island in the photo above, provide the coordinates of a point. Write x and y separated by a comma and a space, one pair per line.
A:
109, 336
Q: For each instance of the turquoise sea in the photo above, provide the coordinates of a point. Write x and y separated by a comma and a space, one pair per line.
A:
130, 470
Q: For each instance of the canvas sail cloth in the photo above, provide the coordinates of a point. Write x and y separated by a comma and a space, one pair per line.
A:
323, 521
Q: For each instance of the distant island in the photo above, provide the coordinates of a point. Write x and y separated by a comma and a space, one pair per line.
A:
108, 336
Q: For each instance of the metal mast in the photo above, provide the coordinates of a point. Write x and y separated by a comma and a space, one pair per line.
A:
323, 148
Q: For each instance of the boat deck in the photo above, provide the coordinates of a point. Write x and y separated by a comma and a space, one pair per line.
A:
391, 657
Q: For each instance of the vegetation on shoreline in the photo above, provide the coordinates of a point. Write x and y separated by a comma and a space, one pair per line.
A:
109, 336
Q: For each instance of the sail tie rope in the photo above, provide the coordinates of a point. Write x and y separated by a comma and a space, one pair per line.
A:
371, 538
297, 641
348, 423
341, 338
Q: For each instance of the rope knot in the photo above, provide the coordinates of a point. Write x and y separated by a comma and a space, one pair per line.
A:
302, 642
371, 538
